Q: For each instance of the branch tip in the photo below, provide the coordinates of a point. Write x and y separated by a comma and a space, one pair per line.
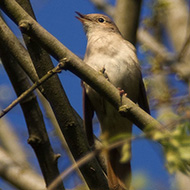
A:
56, 157
3, 112
34, 140
62, 65
124, 109
24, 25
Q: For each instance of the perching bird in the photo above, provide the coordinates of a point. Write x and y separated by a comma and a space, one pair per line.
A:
107, 51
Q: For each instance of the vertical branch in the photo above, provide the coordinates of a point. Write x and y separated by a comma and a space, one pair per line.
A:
126, 17
38, 137
174, 16
54, 92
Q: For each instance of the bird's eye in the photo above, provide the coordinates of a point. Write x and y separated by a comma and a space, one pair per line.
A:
101, 20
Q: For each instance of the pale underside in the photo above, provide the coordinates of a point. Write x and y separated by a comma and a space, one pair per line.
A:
121, 67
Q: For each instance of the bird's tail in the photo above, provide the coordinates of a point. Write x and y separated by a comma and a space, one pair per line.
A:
119, 174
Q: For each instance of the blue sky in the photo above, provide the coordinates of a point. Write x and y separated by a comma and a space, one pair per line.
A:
58, 17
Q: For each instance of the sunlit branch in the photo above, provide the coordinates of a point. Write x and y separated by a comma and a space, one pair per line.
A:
77, 66
31, 89
89, 156
145, 38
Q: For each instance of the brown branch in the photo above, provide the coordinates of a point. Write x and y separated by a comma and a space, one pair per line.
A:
185, 49
58, 100
18, 175
86, 73
30, 90
11, 143
38, 137
126, 17
122, 18
179, 64
90, 155
51, 117
75, 65
145, 38
18, 51
174, 16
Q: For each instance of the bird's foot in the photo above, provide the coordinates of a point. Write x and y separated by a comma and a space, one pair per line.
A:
122, 92
102, 71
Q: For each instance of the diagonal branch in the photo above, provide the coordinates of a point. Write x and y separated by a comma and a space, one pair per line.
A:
157, 48
20, 54
30, 90
54, 92
19, 175
92, 154
38, 137
77, 66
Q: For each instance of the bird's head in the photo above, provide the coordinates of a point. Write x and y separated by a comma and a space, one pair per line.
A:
97, 22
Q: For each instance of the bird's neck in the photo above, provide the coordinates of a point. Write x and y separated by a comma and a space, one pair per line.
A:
101, 39
97, 34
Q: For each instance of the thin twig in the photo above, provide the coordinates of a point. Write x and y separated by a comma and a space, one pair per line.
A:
184, 49
88, 157
155, 46
77, 66
49, 74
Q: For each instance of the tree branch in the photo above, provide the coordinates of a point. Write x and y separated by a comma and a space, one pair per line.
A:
51, 117
63, 111
38, 137
92, 154
20, 54
76, 65
30, 90
10, 142
18, 175
145, 38
126, 17
174, 15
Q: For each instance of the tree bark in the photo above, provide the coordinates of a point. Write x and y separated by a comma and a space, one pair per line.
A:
126, 17
38, 137
65, 115
18, 175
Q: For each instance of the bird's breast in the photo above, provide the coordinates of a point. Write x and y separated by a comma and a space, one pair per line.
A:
120, 66
119, 63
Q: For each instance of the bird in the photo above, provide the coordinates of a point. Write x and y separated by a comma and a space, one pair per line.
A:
110, 54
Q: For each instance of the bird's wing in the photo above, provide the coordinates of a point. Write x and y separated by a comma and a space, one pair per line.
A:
142, 99
88, 113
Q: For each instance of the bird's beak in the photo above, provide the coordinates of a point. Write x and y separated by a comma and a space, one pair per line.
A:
80, 17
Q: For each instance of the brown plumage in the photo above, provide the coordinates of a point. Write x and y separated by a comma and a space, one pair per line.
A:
107, 51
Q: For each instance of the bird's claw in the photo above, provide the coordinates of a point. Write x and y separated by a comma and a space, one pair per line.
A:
122, 92
102, 71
